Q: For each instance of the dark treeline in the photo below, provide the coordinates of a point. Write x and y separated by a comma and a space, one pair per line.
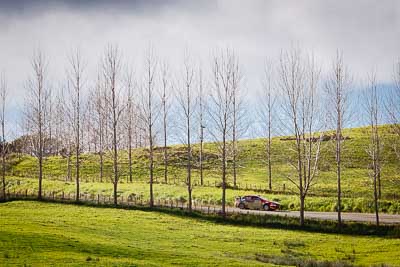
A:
122, 109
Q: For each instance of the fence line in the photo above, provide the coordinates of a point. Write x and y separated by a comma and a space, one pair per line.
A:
98, 199
283, 190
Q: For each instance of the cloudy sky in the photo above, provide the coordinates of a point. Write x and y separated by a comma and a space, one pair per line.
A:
368, 33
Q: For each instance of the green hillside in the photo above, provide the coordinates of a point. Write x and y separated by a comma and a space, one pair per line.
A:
252, 176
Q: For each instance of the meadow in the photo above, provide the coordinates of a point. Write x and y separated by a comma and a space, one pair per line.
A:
37, 233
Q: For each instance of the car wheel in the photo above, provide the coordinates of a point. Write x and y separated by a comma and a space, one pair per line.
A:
266, 207
241, 206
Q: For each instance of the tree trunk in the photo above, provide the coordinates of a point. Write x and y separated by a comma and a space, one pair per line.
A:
376, 199
77, 173
101, 166
378, 166
151, 166
269, 156
338, 171
234, 137
3, 162
151, 163
376, 203
376, 169
115, 161
3, 157
68, 166
189, 155
40, 160
101, 151
165, 157
130, 156
40, 177
77, 179
201, 155
40, 154
201, 128
234, 166
165, 141
302, 200
300, 174
115, 184
223, 172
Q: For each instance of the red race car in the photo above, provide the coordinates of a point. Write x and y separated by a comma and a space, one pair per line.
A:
255, 203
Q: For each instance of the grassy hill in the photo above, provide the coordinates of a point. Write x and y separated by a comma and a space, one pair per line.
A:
252, 176
37, 234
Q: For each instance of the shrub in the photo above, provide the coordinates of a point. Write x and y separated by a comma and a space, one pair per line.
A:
290, 260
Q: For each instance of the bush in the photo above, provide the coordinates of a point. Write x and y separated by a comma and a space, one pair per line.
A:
290, 260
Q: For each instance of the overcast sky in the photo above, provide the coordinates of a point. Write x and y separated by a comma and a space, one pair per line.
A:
368, 33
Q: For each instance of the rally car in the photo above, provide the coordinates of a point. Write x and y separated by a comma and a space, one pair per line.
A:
255, 203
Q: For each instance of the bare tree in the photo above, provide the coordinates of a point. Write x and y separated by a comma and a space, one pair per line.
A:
36, 108
373, 112
49, 126
149, 113
299, 88
237, 113
337, 89
75, 76
166, 86
64, 133
201, 123
186, 100
129, 122
99, 121
220, 110
4, 148
268, 103
59, 123
111, 69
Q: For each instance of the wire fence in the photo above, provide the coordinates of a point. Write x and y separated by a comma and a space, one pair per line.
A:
281, 189
106, 200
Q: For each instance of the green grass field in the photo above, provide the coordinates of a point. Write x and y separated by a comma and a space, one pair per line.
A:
356, 184
37, 234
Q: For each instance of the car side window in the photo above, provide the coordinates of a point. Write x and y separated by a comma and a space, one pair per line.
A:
255, 198
249, 199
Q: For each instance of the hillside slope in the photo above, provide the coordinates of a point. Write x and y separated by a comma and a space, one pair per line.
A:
252, 178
